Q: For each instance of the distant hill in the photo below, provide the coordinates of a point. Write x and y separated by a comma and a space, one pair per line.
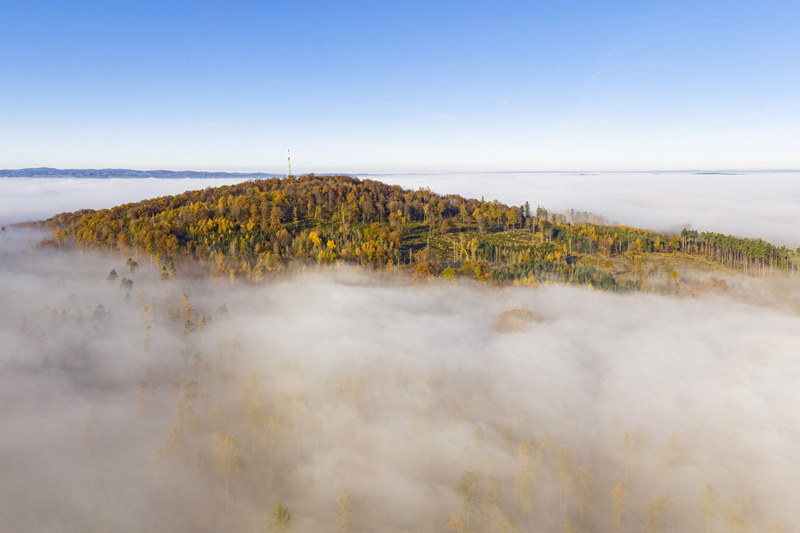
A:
47, 172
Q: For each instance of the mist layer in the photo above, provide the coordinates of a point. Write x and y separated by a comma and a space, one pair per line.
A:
197, 405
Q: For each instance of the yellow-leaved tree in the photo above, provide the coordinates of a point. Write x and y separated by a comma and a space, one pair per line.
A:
227, 460
655, 510
256, 418
708, 504
584, 489
280, 519
456, 524
620, 496
737, 514
172, 446
564, 469
525, 479
343, 513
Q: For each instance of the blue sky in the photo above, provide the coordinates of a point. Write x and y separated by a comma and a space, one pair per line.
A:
400, 86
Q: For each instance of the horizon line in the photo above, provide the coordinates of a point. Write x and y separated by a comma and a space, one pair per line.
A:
400, 172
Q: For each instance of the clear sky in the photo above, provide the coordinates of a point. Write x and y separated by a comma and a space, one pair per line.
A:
387, 86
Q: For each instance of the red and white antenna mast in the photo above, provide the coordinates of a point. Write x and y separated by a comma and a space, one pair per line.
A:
289, 164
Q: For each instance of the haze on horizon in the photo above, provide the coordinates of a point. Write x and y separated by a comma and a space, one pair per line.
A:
356, 87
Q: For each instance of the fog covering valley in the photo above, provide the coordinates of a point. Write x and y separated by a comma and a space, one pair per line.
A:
198, 404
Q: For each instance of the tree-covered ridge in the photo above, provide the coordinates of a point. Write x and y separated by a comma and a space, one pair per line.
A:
262, 226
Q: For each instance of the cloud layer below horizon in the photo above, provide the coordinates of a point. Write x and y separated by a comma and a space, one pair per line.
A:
388, 390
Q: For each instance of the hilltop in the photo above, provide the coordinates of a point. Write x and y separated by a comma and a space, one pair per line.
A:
261, 227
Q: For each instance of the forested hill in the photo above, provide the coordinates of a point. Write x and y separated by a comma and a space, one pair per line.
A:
260, 227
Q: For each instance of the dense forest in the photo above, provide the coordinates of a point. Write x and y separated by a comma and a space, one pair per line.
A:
260, 227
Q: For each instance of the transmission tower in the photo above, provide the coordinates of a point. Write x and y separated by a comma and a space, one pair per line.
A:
289, 164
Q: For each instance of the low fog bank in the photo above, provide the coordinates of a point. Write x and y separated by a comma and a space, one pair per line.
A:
746, 204
23, 199
416, 399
